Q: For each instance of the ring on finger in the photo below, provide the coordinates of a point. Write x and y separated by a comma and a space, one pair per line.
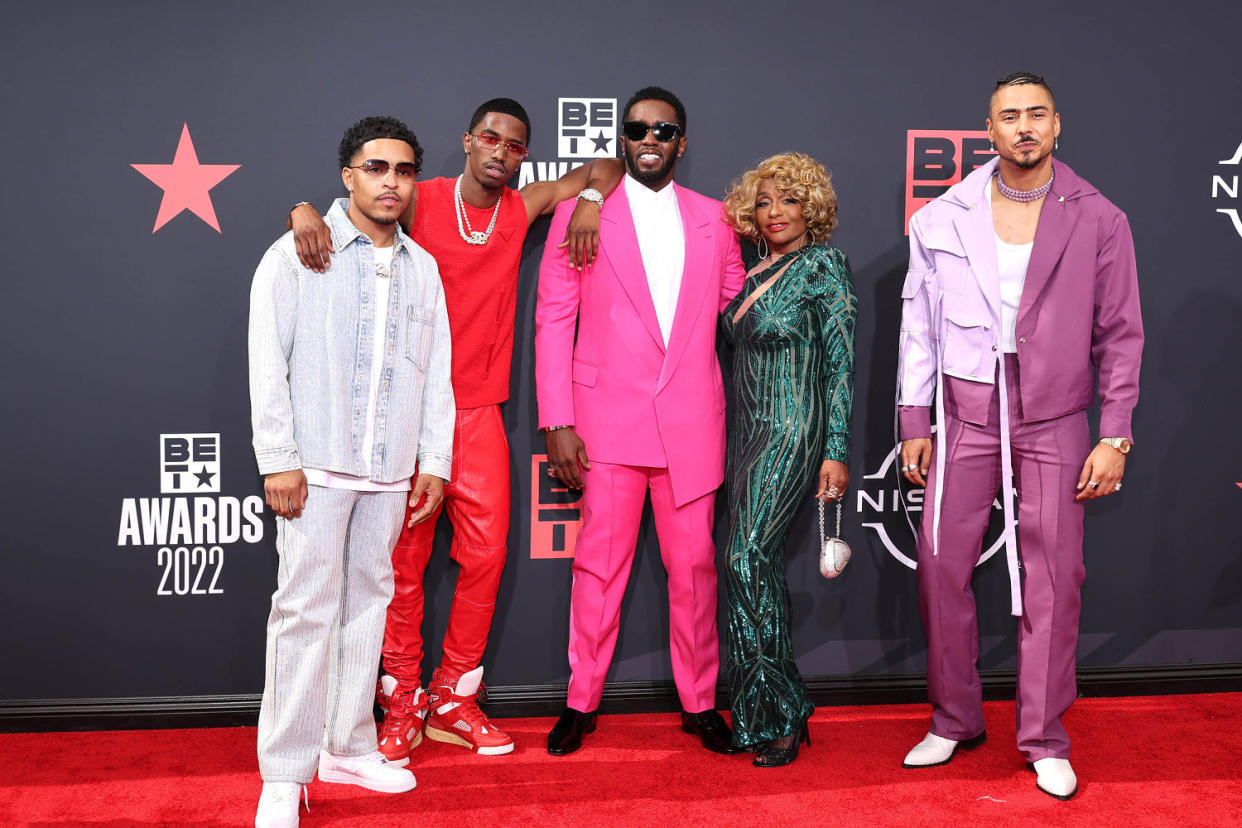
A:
1095, 484
1116, 487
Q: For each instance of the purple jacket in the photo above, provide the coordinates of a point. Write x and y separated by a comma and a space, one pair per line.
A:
1079, 312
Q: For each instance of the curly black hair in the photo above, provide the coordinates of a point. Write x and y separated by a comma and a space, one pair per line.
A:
377, 126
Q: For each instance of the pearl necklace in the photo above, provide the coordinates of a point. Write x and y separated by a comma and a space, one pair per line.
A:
1023, 195
469, 235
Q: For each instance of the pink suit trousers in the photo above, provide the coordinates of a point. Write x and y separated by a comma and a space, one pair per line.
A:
612, 499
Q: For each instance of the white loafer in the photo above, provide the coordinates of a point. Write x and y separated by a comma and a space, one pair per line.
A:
936, 750
1055, 777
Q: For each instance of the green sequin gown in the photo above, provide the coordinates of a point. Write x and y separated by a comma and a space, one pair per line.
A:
793, 379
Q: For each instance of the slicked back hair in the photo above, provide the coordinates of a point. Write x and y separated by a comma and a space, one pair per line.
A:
505, 106
377, 126
657, 93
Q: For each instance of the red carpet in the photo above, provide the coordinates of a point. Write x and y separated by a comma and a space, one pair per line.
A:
1151, 761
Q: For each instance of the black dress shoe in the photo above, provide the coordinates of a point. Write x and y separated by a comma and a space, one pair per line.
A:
711, 728
566, 735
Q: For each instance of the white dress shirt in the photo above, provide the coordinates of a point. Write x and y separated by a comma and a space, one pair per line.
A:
662, 242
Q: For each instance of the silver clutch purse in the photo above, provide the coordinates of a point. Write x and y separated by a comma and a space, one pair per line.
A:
834, 553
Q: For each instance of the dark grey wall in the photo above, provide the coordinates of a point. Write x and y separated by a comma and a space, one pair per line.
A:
114, 335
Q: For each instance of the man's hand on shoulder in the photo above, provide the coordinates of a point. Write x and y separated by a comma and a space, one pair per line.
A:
285, 492
430, 490
312, 237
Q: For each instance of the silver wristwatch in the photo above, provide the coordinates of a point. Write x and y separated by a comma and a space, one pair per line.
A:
592, 195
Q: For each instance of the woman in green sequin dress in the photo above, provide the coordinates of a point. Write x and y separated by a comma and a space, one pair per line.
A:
792, 327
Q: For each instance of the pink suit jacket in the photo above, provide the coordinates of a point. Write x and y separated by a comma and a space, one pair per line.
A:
631, 400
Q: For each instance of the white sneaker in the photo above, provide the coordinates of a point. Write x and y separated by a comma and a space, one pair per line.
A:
936, 750
278, 805
371, 771
1055, 777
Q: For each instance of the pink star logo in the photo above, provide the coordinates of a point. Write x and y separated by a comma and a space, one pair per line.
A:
186, 183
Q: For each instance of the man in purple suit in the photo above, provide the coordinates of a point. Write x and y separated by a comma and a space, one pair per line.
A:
1021, 293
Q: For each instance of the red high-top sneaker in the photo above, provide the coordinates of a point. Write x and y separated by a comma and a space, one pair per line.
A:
455, 716
405, 711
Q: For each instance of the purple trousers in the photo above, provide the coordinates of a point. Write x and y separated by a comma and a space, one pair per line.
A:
1047, 460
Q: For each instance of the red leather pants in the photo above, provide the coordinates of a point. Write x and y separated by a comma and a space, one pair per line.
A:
477, 501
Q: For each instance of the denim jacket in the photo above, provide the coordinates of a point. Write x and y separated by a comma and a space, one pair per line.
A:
310, 361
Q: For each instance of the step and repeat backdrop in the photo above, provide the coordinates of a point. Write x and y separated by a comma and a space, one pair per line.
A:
154, 149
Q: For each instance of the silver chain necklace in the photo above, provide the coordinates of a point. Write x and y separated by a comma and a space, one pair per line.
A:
468, 235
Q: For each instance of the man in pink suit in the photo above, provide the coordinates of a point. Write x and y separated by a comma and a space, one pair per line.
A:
1022, 293
634, 403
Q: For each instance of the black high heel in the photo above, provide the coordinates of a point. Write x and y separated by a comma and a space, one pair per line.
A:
774, 756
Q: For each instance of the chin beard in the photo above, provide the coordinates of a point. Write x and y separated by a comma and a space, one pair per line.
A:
653, 176
1027, 160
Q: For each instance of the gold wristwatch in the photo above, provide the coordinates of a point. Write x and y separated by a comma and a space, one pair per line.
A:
1122, 444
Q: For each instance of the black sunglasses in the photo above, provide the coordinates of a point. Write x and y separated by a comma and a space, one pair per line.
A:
663, 131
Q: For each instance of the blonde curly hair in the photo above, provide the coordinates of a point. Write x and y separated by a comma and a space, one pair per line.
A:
794, 173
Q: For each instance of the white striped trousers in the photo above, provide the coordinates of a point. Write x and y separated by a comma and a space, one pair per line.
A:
324, 634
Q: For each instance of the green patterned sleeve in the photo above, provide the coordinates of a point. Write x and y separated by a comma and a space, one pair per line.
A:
834, 289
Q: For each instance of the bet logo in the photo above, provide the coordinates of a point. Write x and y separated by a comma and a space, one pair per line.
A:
938, 159
555, 513
587, 127
189, 463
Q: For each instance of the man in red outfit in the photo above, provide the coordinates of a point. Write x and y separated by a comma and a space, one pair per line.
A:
474, 226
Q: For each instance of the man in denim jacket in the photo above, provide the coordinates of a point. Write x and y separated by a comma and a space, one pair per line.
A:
350, 389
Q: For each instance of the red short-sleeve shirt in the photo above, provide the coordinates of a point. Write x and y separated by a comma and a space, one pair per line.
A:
480, 286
